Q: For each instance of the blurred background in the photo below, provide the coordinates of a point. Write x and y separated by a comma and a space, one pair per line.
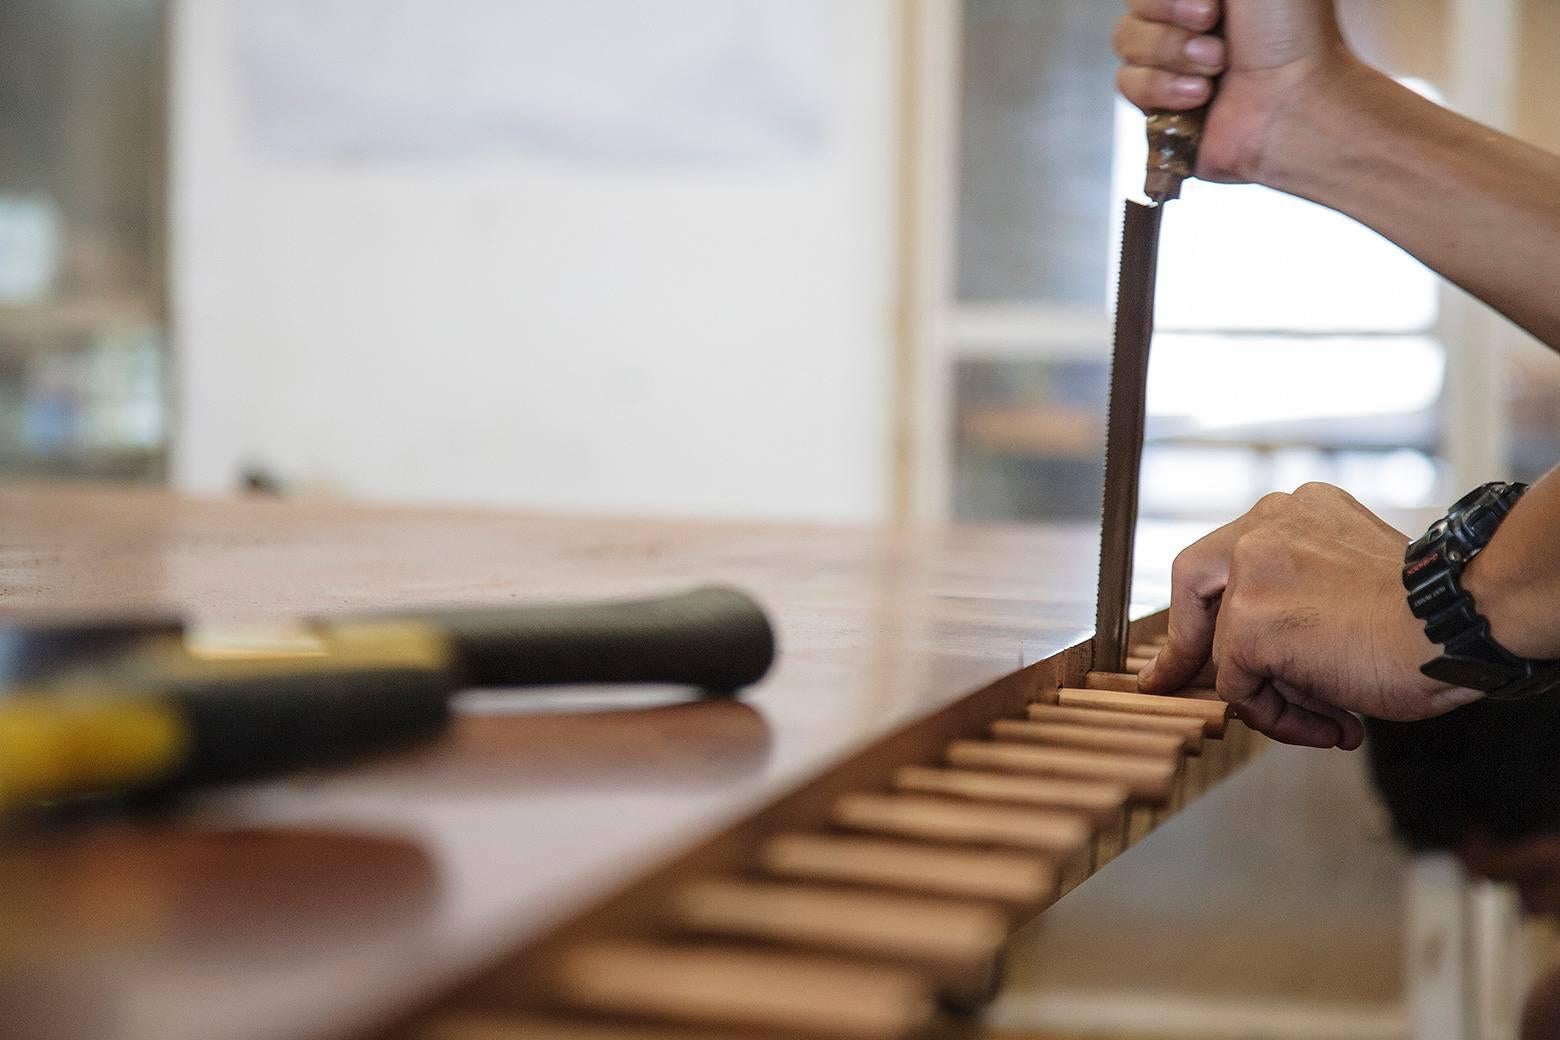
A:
789, 259
854, 258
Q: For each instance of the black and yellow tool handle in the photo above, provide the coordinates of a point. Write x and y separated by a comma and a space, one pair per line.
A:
714, 638
85, 738
161, 718
36, 647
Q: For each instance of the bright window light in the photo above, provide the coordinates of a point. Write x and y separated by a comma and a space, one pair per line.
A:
1246, 258
1214, 381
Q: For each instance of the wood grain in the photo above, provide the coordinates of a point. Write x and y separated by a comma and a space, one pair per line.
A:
493, 1026
1189, 730
1145, 778
1128, 683
1214, 714
932, 819
951, 939
717, 985
1007, 877
1089, 738
542, 822
1101, 801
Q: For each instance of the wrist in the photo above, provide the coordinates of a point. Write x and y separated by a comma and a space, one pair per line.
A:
1403, 650
1500, 593
1324, 120
1435, 568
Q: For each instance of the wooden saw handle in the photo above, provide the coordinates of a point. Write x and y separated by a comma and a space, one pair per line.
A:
1173, 141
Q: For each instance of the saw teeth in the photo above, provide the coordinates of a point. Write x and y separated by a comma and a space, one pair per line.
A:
1124, 421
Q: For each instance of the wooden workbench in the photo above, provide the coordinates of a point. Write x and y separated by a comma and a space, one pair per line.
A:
321, 905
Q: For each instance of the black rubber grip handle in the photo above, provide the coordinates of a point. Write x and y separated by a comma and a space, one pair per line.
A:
268, 724
33, 649
715, 638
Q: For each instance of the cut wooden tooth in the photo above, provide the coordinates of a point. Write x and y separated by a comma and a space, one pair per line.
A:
1137, 664
1090, 738
1214, 714
1101, 801
1007, 877
1197, 776
1190, 730
1146, 778
481, 1025
1062, 834
1160, 640
1140, 824
958, 941
739, 986
1147, 651
1111, 681
1129, 684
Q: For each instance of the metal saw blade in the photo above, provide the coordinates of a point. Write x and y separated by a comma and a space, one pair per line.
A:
1124, 430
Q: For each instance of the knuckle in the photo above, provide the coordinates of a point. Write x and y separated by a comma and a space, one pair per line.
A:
1271, 504
1250, 553
1134, 85
1158, 10
1119, 39
1130, 43
1237, 609
1317, 490
1149, 45
1129, 85
1168, 45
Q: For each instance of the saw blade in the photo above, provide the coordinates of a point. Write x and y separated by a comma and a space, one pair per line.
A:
1124, 430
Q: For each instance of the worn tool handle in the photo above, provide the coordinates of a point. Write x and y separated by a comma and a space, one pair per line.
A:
1173, 141
715, 638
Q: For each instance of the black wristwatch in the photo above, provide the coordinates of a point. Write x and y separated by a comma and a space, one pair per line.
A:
1432, 573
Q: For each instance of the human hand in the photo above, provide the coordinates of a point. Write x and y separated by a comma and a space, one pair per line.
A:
1272, 56
1298, 610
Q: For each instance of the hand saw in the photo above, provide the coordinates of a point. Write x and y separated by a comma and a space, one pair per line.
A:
1173, 138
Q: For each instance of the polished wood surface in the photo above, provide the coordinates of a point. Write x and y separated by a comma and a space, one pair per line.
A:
412, 871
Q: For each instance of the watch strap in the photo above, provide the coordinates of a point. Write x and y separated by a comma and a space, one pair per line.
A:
1432, 573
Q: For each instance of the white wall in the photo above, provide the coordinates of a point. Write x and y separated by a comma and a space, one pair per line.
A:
667, 338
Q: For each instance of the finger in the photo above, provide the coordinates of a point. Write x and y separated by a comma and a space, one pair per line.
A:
1349, 724
1168, 48
1151, 89
1207, 676
1196, 15
1161, 674
1268, 712
1197, 582
1261, 706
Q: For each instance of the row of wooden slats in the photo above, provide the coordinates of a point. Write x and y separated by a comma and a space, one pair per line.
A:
902, 902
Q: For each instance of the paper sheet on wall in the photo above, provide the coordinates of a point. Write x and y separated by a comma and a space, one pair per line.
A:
595, 80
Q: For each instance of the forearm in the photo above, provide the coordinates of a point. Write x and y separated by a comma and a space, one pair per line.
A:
1515, 581
1481, 208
